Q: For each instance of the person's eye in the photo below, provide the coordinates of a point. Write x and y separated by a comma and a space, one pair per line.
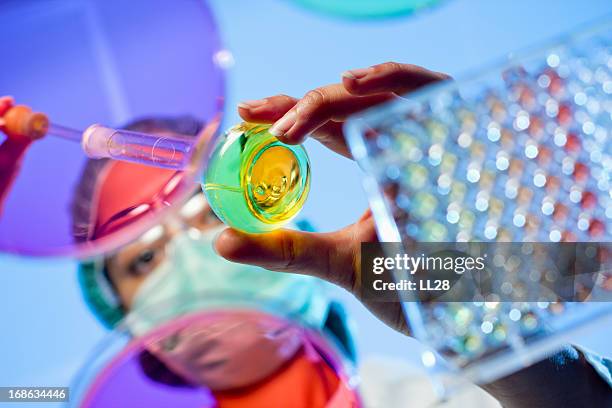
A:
144, 262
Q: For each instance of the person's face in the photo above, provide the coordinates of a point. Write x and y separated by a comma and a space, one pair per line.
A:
129, 267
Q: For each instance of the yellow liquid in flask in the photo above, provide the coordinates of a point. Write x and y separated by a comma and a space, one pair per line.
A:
254, 182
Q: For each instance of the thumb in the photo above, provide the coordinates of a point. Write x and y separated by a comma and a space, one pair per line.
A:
6, 102
325, 255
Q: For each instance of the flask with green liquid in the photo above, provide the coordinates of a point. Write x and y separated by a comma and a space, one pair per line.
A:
254, 182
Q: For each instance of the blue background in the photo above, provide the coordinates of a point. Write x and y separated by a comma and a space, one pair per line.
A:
281, 48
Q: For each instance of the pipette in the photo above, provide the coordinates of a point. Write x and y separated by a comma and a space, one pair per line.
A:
165, 151
20, 123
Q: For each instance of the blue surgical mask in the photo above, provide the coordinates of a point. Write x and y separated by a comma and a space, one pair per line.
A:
193, 277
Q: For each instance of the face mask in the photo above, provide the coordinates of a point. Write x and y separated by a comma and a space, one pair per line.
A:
193, 277
238, 349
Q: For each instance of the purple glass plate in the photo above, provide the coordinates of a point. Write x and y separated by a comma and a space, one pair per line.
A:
122, 382
108, 62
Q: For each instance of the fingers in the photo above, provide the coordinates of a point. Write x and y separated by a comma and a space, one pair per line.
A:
331, 135
267, 110
331, 256
317, 113
389, 77
301, 252
6, 102
319, 106
334, 257
320, 110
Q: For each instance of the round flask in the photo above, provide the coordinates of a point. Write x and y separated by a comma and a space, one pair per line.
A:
254, 182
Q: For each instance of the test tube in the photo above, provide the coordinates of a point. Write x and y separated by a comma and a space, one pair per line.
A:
172, 152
